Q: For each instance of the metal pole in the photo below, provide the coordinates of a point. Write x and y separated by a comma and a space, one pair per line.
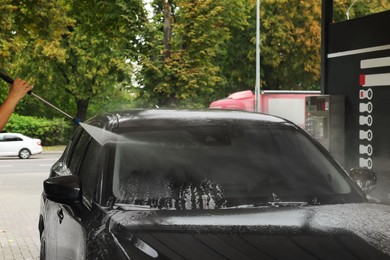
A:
51, 105
257, 87
326, 21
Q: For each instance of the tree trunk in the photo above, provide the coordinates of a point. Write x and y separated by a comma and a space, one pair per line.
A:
82, 106
167, 29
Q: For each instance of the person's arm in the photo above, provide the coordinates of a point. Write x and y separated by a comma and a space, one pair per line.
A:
18, 90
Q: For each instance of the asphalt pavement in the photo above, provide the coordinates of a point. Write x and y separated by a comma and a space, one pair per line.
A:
21, 188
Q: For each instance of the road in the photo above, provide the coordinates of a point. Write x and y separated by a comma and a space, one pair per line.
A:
21, 187
36, 164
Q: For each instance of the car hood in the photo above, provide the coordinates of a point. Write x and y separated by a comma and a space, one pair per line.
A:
346, 231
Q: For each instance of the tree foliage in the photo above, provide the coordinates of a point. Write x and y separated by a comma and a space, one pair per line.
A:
213, 49
51, 132
28, 27
90, 59
99, 48
189, 70
290, 42
24, 21
82, 55
355, 9
238, 62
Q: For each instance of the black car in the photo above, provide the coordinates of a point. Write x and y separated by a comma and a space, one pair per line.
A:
164, 184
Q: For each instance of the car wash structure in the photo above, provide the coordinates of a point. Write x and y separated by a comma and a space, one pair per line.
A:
356, 80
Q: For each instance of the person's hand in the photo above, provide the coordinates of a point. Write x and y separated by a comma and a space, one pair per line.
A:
19, 89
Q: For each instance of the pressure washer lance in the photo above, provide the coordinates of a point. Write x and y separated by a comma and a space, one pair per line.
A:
11, 81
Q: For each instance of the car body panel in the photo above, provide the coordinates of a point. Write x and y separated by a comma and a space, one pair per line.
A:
63, 233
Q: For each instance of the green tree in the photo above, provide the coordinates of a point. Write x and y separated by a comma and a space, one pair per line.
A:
186, 41
92, 59
291, 38
356, 9
79, 53
26, 26
238, 64
24, 21
100, 48
31, 26
9, 43
290, 43
212, 49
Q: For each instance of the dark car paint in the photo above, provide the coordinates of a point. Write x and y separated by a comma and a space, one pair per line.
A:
99, 230
315, 232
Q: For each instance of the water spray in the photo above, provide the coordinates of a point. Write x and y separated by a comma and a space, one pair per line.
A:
9, 80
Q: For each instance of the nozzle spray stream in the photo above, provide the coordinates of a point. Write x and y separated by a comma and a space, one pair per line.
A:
9, 80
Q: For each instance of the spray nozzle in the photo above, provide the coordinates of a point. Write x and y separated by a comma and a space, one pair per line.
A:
76, 121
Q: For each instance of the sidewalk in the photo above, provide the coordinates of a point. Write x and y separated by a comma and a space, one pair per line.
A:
19, 236
20, 195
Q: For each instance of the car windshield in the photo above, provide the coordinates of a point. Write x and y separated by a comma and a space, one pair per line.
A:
219, 167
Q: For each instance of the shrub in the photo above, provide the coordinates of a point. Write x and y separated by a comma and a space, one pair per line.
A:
51, 131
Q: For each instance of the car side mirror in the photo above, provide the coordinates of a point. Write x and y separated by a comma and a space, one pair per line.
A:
63, 189
365, 178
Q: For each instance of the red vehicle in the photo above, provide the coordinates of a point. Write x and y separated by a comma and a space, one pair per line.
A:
286, 104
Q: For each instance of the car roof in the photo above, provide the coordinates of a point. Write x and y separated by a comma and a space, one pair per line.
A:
160, 117
18, 134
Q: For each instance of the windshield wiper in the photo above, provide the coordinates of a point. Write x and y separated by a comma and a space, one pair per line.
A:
132, 207
287, 203
270, 204
277, 202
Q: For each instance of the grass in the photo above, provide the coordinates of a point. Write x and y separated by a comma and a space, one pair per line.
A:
54, 148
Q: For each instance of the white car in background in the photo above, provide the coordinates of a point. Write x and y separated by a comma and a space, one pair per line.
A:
13, 144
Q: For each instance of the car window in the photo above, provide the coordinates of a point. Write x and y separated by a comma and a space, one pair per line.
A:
66, 156
62, 166
11, 138
78, 152
211, 167
90, 170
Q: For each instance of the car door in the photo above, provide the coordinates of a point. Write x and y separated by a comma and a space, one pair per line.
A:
48, 222
64, 231
11, 144
3, 146
71, 235
73, 226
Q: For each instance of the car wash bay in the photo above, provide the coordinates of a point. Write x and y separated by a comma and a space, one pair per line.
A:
357, 67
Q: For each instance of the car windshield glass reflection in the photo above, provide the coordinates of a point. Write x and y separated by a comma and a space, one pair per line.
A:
214, 167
